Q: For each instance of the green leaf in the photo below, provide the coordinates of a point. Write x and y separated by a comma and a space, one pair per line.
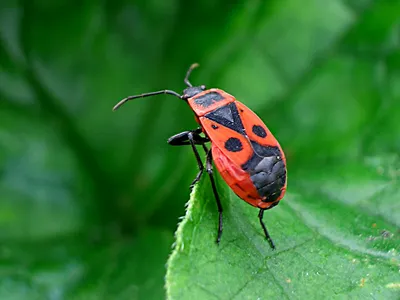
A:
330, 95
333, 237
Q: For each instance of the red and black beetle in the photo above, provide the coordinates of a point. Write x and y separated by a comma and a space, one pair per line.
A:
246, 154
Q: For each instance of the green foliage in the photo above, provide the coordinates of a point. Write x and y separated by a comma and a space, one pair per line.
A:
89, 199
336, 234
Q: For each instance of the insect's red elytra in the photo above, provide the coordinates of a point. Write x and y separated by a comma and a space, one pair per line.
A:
244, 151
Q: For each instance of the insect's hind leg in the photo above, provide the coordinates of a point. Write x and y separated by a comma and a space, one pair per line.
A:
267, 236
209, 169
193, 138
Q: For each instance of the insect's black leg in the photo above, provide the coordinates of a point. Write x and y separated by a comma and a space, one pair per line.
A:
267, 236
179, 139
217, 199
196, 179
182, 138
192, 138
198, 176
199, 162
205, 148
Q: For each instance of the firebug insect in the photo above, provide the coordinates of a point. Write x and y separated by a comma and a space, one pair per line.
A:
246, 154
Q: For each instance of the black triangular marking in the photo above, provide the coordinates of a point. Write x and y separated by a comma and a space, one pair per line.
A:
224, 113
227, 116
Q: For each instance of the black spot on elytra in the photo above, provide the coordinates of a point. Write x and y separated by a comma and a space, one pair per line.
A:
259, 131
214, 126
208, 99
233, 145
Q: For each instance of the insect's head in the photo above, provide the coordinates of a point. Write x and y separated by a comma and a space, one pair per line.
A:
192, 91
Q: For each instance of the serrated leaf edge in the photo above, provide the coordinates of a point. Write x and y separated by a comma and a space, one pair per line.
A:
178, 245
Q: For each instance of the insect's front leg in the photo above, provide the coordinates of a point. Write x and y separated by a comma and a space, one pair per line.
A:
184, 138
193, 138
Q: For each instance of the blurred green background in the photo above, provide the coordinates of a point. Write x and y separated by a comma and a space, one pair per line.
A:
90, 199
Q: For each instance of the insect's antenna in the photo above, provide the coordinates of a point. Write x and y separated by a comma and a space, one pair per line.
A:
169, 92
186, 80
